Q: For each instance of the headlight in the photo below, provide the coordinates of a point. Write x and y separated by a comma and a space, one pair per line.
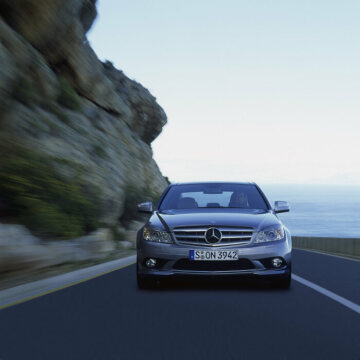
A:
270, 234
157, 235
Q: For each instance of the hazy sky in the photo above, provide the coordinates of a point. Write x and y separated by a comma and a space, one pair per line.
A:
255, 90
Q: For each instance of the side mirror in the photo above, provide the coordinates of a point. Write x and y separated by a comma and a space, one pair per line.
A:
146, 207
281, 206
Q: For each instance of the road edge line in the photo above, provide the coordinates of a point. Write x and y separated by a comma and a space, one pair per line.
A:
17, 302
329, 254
343, 301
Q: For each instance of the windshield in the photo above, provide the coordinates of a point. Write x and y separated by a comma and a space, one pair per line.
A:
193, 196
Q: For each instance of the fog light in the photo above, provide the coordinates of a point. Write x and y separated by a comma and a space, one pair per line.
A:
150, 263
276, 262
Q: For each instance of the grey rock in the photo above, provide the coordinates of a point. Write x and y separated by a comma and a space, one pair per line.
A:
19, 250
60, 36
26, 257
44, 23
87, 14
109, 136
126, 245
98, 242
16, 235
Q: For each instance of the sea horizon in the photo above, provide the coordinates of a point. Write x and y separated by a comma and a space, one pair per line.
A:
319, 210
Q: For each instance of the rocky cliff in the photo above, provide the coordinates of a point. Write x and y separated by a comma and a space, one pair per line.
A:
75, 132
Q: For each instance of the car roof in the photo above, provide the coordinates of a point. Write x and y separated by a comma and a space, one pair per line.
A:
213, 182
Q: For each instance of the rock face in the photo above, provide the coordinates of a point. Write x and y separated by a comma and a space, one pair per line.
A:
58, 99
19, 250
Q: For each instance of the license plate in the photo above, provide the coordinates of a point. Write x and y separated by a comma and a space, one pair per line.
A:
214, 255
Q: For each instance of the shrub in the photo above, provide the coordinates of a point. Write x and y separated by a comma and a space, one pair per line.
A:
133, 196
61, 115
68, 96
50, 218
100, 151
58, 111
108, 64
23, 91
40, 198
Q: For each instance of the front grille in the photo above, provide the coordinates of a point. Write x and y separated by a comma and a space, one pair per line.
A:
196, 235
186, 264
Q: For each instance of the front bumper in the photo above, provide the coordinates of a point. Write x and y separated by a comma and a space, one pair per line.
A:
168, 256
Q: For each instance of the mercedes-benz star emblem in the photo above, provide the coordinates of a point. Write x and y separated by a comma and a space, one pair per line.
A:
212, 236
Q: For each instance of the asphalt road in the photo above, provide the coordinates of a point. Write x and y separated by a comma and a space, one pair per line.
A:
109, 318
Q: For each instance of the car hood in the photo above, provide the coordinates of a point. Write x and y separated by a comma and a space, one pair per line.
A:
256, 219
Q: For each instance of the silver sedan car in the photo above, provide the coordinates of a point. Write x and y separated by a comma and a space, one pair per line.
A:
213, 229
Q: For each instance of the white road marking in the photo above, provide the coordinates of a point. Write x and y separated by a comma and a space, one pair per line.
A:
32, 290
351, 305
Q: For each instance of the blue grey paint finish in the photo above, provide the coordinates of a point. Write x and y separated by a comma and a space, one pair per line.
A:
168, 254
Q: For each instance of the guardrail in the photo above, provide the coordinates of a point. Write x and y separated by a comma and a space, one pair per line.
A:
340, 246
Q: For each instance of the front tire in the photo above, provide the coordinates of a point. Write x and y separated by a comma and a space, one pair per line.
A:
285, 281
145, 283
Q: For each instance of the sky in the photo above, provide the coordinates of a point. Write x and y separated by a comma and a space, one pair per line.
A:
254, 90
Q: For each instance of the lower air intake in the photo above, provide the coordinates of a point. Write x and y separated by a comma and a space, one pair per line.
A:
241, 264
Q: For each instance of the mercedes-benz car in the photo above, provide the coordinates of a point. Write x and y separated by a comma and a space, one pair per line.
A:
213, 229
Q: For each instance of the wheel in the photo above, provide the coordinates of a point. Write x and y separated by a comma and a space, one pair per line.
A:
145, 283
283, 283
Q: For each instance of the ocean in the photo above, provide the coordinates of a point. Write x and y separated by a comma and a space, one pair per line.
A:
319, 210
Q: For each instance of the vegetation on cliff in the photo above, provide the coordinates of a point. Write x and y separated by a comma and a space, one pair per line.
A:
35, 193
